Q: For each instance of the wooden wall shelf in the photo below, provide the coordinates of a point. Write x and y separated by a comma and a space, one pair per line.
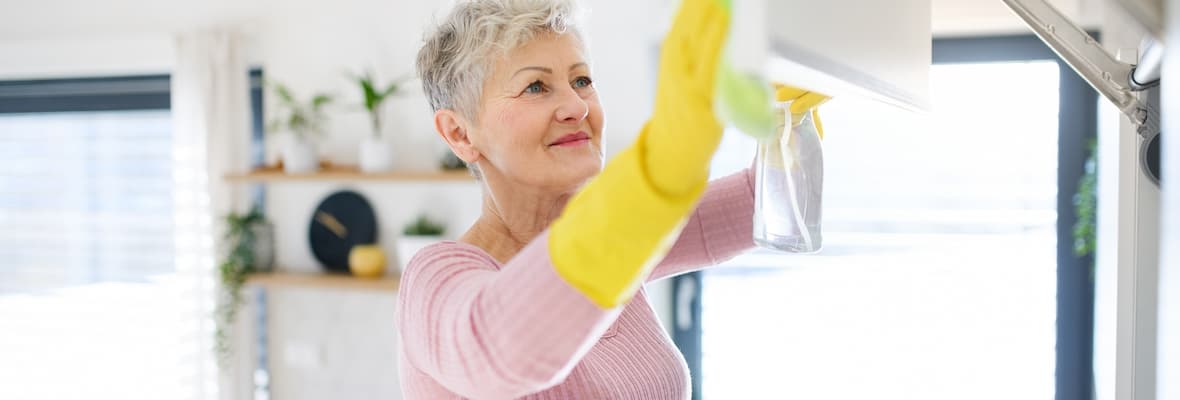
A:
349, 173
280, 280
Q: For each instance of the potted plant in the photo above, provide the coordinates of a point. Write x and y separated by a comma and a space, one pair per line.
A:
249, 240
305, 121
418, 234
376, 151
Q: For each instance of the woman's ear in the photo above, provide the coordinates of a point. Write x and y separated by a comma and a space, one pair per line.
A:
454, 128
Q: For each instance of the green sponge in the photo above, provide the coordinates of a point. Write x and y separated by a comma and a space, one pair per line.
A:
745, 101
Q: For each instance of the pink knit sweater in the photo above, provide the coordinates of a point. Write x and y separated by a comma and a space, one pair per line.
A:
474, 328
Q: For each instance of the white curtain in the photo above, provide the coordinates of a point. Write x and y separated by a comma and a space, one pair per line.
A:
211, 128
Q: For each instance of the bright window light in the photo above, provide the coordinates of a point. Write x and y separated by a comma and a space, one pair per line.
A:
938, 277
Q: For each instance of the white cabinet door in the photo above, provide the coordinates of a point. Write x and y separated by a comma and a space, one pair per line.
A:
875, 48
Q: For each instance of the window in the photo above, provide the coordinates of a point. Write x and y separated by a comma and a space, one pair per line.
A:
89, 291
940, 273
86, 198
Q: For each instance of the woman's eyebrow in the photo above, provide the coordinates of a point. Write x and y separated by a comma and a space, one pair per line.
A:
542, 69
547, 70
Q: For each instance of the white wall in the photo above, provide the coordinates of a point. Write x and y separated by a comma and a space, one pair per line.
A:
100, 55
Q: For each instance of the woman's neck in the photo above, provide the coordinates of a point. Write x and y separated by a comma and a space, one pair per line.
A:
510, 219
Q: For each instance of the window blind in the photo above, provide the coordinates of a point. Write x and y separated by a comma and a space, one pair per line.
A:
85, 197
89, 291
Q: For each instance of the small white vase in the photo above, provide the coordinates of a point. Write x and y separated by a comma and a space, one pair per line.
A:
376, 154
407, 246
300, 156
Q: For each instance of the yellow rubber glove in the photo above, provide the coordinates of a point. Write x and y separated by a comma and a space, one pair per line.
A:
683, 132
624, 221
802, 101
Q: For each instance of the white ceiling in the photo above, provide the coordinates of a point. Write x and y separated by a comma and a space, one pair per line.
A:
21, 19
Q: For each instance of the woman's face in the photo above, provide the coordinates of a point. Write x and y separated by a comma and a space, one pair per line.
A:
539, 122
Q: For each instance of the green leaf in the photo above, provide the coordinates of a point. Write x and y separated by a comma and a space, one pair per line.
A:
295, 117
320, 100
1086, 206
232, 271
370, 94
284, 94
389, 91
424, 226
367, 88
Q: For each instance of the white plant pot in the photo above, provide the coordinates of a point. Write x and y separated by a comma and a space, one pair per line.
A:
300, 156
407, 246
264, 247
376, 154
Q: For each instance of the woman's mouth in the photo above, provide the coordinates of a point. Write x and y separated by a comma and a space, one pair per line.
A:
574, 139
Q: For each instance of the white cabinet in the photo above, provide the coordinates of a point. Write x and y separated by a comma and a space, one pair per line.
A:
874, 48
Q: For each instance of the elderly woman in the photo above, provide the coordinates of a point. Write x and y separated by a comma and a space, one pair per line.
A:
542, 297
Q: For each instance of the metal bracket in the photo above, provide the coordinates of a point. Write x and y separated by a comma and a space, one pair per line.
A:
1115, 80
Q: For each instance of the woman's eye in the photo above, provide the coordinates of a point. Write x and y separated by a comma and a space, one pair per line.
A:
582, 82
535, 88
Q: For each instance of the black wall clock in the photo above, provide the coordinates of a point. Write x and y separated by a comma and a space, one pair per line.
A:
342, 220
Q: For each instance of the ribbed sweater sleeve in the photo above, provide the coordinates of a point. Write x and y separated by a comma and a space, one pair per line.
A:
490, 331
721, 227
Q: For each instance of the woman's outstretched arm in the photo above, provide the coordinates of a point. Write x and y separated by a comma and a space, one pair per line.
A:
721, 227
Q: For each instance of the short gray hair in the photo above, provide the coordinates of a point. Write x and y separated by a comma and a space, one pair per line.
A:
458, 53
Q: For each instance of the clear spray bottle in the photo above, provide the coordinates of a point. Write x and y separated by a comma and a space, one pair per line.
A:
788, 184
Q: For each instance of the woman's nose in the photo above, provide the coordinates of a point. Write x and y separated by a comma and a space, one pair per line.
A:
572, 107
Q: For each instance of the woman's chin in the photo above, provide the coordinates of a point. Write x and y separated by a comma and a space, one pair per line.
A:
576, 175
587, 160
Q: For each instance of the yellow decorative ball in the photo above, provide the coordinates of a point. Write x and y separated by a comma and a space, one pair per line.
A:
366, 261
